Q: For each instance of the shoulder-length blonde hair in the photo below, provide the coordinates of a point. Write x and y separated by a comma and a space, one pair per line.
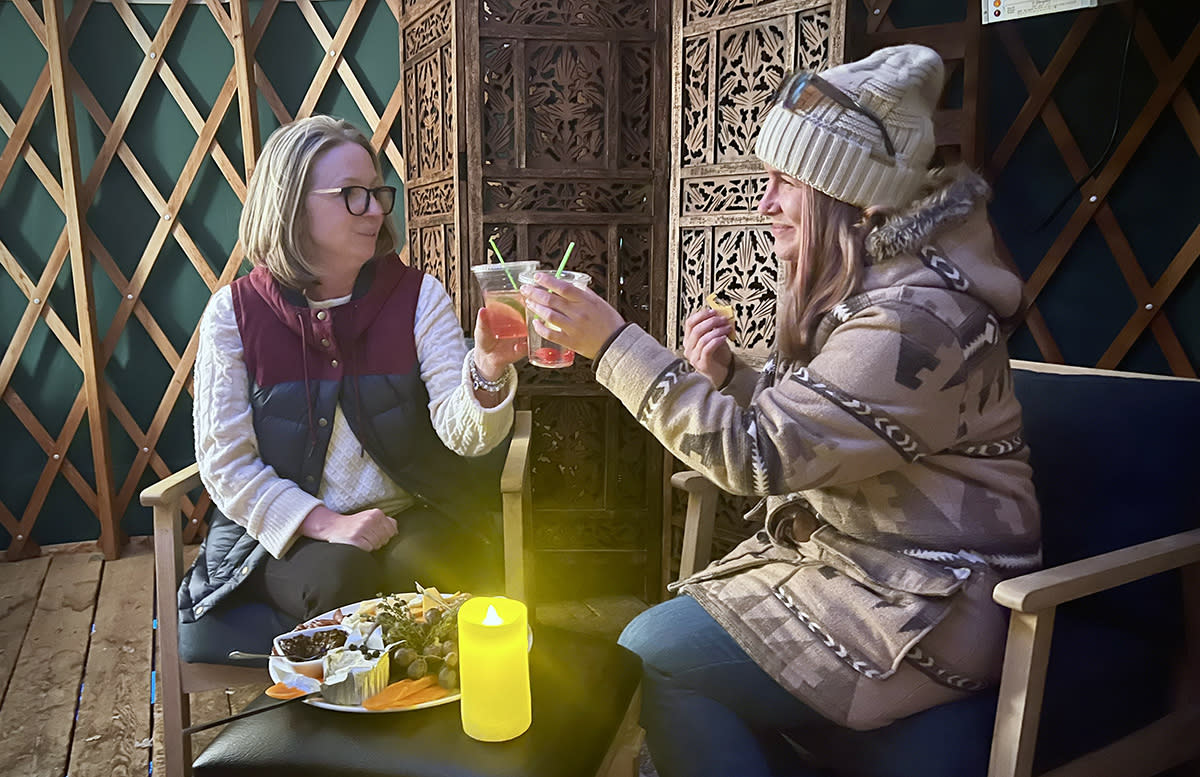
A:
274, 226
830, 268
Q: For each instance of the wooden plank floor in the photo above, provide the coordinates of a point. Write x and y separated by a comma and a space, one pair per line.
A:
76, 667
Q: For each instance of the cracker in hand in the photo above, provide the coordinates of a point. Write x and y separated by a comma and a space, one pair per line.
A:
724, 310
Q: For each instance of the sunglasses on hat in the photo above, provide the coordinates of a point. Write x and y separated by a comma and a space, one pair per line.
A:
801, 88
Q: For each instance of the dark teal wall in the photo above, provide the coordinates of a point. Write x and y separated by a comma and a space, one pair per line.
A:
1156, 201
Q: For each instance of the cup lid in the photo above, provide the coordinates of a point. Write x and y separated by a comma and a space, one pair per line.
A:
512, 267
577, 278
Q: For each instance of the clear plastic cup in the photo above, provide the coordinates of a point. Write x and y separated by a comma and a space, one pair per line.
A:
542, 351
503, 300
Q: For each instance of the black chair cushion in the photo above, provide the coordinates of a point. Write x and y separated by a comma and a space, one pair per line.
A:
1112, 459
581, 688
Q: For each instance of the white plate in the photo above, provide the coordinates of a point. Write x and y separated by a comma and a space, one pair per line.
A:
278, 668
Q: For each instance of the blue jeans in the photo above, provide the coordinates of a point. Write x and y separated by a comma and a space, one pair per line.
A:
707, 708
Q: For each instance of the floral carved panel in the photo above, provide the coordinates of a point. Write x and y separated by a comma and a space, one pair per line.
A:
590, 255
449, 137
636, 262
637, 68
697, 108
566, 106
564, 468
698, 10
751, 61
723, 194
496, 79
613, 14
566, 196
745, 275
430, 29
430, 128
434, 199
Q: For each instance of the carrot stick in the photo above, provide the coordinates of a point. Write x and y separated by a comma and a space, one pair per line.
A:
282, 691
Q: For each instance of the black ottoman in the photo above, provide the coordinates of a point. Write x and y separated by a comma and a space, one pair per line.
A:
581, 688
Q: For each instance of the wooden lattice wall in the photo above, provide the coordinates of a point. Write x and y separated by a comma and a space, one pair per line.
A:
1112, 280
138, 126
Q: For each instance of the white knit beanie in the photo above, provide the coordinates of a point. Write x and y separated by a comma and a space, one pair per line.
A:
840, 151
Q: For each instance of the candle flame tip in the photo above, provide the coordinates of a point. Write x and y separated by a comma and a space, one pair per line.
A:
492, 618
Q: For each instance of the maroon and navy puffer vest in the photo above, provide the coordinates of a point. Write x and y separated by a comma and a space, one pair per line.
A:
302, 363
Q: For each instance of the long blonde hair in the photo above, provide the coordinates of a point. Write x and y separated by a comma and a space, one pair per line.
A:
273, 228
830, 267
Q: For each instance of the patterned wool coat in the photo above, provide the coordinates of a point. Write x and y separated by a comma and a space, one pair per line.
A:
897, 484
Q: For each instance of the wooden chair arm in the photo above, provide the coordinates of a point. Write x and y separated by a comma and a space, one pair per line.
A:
171, 489
1034, 599
515, 504
699, 521
1051, 587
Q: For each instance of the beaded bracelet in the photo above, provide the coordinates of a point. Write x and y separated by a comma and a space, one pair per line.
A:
480, 382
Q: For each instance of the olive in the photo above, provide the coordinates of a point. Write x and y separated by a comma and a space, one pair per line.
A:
448, 678
451, 658
433, 649
418, 669
433, 616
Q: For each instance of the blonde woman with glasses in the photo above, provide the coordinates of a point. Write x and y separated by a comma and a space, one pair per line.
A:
346, 435
883, 437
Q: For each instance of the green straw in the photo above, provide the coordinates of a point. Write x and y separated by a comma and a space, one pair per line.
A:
496, 248
566, 256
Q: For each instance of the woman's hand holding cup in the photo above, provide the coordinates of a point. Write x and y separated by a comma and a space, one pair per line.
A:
571, 315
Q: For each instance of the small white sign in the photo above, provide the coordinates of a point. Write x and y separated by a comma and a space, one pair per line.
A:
1006, 10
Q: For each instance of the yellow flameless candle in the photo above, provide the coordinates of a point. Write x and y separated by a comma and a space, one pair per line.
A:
493, 655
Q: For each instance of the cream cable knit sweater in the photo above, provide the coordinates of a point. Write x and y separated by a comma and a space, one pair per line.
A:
272, 508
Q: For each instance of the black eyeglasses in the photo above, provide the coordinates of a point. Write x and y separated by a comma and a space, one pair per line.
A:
358, 198
791, 94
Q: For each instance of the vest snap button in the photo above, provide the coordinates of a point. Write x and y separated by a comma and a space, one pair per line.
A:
325, 341
334, 362
321, 315
308, 478
322, 422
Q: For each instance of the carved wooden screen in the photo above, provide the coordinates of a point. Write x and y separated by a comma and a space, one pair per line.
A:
569, 145
728, 57
428, 64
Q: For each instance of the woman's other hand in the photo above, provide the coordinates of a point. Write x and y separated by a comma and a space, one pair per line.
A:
492, 354
585, 320
367, 529
706, 344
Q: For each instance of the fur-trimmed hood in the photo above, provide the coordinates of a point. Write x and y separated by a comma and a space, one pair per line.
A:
943, 239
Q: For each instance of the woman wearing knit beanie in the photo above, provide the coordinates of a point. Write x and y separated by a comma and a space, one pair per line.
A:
883, 437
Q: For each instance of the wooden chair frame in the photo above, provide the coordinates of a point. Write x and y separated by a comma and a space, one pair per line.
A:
1033, 599
177, 678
